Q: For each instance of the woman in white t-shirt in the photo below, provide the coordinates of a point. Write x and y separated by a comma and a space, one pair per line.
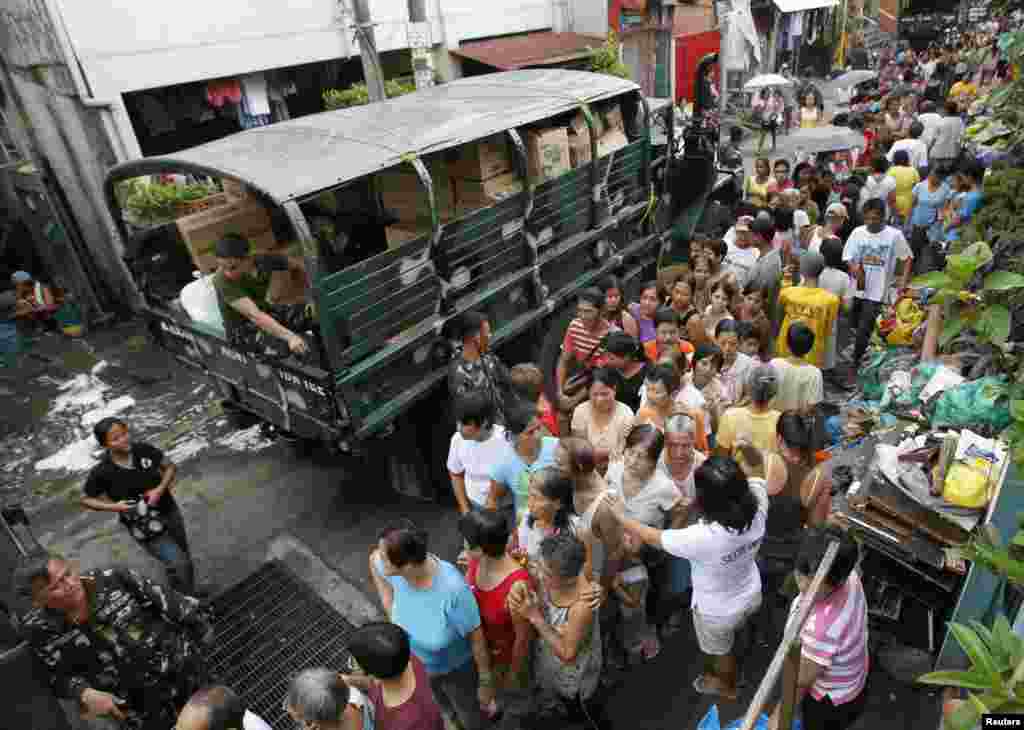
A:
721, 548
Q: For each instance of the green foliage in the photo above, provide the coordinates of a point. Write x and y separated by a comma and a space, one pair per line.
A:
1007, 101
149, 203
989, 319
358, 94
1002, 214
996, 676
607, 59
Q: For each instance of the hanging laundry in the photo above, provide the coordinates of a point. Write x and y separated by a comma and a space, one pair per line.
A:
223, 91
254, 91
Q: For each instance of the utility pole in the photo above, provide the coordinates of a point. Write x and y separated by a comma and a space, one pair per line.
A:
368, 51
420, 46
725, 18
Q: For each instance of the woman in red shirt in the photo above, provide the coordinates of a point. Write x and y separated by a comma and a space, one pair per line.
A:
492, 573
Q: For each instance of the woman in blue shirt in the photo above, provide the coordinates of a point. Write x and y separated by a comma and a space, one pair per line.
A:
968, 180
430, 599
929, 195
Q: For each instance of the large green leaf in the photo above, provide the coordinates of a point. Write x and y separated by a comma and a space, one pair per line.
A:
952, 327
1002, 280
980, 251
978, 653
970, 679
934, 279
994, 322
961, 268
1017, 410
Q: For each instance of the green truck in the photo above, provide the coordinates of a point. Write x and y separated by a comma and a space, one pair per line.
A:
405, 222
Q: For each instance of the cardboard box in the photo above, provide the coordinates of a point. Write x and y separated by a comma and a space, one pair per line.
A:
403, 193
613, 119
473, 194
234, 189
482, 160
398, 235
579, 149
547, 152
612, 140
201, 231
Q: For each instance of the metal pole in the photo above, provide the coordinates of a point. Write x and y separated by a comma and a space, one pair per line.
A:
723, 74
368, 51
420, 45
790, 637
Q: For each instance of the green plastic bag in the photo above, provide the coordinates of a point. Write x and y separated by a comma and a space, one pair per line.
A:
982, 402
874, 376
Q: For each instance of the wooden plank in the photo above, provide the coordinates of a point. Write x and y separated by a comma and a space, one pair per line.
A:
789, 637
892, 501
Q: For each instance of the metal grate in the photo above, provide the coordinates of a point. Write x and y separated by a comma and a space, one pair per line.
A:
269, 627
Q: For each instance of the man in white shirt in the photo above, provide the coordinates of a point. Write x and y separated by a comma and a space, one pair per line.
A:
871, 254
218, 708
878, 186
930, 120
916, 149
476, 446
948, 135
741, 256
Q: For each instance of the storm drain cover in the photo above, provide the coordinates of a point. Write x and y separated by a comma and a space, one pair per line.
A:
269, 627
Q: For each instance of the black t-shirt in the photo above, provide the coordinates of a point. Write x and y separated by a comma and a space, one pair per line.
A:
120, 483
630, 391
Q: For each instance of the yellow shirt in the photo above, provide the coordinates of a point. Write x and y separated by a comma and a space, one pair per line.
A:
906, 178
815, 307
809, 117
961, 89
757, 429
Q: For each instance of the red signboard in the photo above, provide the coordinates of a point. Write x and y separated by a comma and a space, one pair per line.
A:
690, 49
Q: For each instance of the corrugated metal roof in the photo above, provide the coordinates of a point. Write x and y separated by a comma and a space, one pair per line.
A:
300, 157
532, 49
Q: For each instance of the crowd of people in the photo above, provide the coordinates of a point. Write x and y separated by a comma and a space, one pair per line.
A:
670, 468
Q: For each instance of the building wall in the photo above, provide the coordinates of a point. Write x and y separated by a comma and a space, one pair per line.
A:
589, 17
127, 46
72, 147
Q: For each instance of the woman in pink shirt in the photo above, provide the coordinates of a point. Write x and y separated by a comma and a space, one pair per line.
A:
834, 660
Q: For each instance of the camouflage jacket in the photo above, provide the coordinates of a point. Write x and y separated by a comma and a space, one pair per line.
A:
141, 643
488, 375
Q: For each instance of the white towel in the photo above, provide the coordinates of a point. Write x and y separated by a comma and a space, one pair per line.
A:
254, 86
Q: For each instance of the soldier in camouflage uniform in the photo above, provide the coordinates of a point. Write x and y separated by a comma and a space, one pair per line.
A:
125, 647
476, 370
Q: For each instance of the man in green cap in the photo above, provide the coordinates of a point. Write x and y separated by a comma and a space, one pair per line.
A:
242, 282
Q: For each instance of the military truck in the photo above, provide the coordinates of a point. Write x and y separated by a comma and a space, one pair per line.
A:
505, 193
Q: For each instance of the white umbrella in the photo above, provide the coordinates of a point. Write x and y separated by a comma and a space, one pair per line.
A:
852, 78
765, 80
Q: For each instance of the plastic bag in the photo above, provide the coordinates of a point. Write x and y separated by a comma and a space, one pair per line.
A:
875, 374
908, 317
977, 466
897, 391
710, 721
976, 403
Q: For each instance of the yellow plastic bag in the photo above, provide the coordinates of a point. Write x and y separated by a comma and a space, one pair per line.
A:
908, 317
966, 486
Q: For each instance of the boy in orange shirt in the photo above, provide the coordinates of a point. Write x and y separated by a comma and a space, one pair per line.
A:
667, 334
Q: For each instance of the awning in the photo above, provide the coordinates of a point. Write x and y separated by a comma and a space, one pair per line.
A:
795, 6
533, 49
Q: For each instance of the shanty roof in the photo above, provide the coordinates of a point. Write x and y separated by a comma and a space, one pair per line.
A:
532, 49
303, 156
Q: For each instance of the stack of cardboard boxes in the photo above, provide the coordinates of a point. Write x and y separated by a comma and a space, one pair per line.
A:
483, 173
556, 150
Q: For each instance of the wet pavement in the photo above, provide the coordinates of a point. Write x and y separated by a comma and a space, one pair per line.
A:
241, 493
